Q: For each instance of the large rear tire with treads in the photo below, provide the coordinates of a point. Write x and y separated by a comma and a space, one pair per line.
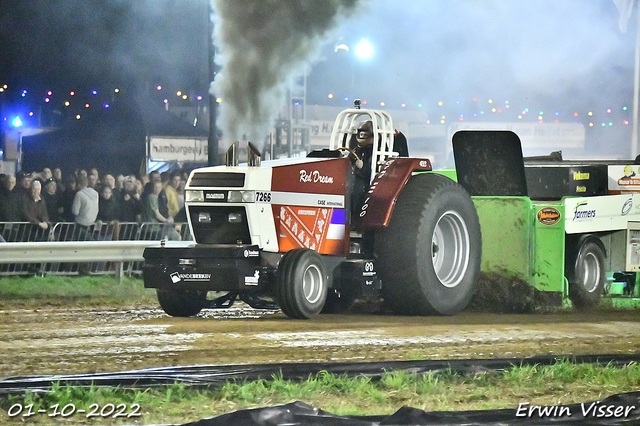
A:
429, 254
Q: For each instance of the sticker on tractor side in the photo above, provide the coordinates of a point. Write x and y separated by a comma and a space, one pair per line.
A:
305, 232
307, 199
626, 207
251, 253
263, 197
583, 212
314, 177
369, 270
215, 196
176, 277
252, 280
320, 229
549, 216
623, 178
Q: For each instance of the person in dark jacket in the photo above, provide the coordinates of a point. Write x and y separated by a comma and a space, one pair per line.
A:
34, 210
66, 198
7, 183
51, 197
19, 195
132, 204
108, 207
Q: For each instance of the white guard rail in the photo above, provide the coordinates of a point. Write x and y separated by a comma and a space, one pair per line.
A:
45, 254
69, 249
118, 253
74, 251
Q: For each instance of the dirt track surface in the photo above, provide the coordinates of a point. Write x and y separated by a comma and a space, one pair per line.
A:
76, 341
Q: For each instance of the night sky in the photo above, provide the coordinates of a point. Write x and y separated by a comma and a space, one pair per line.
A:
90, 49
439, 56
75, 42
423, 50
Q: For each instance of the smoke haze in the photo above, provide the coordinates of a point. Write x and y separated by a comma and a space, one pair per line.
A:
261, 45
558, 57
450, 58
498, 48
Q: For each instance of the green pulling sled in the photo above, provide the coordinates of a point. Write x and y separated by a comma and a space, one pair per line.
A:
570, 229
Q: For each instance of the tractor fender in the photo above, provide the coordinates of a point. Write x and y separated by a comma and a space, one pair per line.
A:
385, 187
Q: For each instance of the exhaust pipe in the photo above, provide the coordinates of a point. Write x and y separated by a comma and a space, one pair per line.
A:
232, 155
254, 155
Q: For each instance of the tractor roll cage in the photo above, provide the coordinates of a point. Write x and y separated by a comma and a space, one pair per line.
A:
346, 125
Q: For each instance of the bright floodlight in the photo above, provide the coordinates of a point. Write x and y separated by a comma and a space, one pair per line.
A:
16, 122
364, 50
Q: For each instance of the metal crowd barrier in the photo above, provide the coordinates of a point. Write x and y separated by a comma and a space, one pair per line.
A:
25, 232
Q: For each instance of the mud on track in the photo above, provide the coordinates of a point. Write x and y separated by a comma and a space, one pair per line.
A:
74, 341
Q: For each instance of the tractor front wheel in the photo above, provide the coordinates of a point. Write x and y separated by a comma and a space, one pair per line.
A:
182, 303
301, 283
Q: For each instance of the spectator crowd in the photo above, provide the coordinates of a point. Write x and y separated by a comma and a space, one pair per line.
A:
87, 197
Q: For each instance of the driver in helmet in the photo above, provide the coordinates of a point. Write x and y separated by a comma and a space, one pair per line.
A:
364, 150
362, 170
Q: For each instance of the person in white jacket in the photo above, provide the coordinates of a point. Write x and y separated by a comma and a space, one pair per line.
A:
85, 211
85, 203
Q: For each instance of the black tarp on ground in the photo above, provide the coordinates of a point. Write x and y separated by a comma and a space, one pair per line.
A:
298, 413
203, 376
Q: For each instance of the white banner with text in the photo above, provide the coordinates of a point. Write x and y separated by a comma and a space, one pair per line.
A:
183, 150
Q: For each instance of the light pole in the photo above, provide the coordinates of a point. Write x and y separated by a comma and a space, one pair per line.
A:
17, 123
363, 51
212, 141
636, 91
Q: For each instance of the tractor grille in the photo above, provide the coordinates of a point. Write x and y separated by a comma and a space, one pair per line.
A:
211, 225
217, 180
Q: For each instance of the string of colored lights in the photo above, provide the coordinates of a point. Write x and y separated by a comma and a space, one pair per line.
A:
491, 107
440, 112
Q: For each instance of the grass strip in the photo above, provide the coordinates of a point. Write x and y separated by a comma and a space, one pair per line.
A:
16, 291
559, 384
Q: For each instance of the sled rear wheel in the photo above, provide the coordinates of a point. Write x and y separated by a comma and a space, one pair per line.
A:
585, 271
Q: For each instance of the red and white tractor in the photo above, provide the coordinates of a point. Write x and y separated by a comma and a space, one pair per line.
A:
284, 233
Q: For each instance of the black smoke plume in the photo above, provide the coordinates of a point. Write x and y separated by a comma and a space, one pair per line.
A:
261, 45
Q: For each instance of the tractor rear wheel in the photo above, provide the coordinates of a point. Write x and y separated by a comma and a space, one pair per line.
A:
302, 283
429, 254
585, 271
182, 303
